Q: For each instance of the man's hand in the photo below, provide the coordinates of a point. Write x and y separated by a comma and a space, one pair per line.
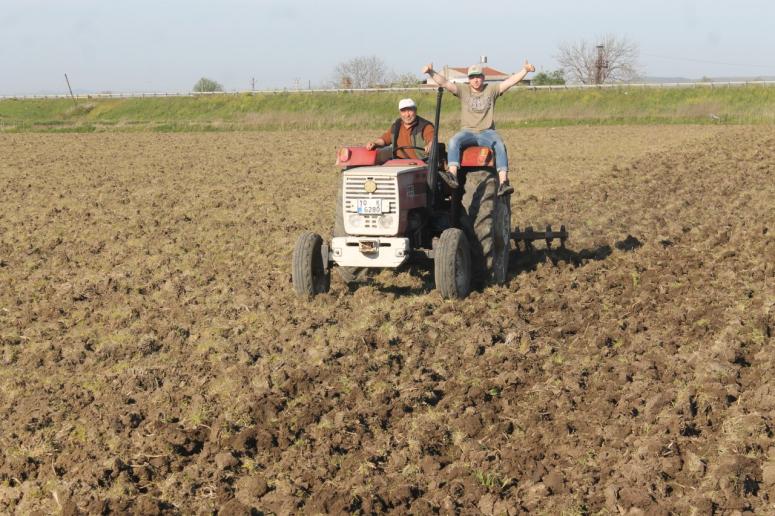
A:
370, 146
504, 86
441, 81
428, 148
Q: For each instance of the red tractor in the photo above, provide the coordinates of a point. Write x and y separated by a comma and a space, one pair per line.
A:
399, 210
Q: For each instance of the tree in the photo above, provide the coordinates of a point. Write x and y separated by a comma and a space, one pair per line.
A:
361, 72
406, 80
544, 79
611, 59
205, 85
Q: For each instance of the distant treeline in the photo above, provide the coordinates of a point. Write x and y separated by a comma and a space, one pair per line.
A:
374, 110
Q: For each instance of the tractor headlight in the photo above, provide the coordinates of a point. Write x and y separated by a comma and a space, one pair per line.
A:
355, 220
385, 221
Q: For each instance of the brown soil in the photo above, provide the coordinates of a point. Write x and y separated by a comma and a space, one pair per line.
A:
155, 358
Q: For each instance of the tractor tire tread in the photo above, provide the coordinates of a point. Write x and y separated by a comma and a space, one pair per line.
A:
308, 273
452, 264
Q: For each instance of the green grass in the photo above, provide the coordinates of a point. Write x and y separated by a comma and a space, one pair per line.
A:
355, 110
750, 104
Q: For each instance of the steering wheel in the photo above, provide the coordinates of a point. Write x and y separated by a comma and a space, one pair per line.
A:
403, 147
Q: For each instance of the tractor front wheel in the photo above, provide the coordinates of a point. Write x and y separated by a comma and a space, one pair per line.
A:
310, 273
353, 275
452, 263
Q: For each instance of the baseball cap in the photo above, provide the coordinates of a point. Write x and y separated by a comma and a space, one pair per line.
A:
475, 70
406, 103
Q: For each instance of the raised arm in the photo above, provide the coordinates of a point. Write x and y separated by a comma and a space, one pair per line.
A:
514, 79
440, 79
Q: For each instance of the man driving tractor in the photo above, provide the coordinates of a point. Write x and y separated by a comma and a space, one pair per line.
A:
410, 136
477, 102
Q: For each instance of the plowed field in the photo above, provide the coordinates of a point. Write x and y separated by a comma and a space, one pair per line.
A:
154, 358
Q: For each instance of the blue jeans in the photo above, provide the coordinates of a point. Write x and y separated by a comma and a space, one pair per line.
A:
487, 138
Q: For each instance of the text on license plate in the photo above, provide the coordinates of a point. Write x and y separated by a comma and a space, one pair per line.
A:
369, 206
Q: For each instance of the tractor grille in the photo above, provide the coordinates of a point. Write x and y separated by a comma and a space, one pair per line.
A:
387, 190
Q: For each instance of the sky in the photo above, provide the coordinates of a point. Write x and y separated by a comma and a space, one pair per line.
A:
125, 46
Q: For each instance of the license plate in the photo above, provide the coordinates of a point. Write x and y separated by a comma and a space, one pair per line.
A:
369, 206
368, 246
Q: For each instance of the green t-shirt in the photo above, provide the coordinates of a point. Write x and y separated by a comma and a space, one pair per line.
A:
477, 107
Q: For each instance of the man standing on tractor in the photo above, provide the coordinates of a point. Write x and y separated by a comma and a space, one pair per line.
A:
477, 101
410, 136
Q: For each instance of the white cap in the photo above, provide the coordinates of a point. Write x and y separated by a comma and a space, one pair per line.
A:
406, 103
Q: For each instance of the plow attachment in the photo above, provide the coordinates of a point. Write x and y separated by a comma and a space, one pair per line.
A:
528, 236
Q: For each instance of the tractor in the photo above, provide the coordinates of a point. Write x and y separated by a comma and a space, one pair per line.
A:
400, 210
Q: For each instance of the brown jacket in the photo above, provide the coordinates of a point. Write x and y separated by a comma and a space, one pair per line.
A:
405, 137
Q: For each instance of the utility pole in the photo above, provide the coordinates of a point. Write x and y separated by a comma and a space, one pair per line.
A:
600, 64
71, 90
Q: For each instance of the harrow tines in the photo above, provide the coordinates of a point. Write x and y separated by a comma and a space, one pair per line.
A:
528, 236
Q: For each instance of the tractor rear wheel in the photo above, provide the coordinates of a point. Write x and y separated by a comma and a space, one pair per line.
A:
452, 264
486, 220
310, 274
